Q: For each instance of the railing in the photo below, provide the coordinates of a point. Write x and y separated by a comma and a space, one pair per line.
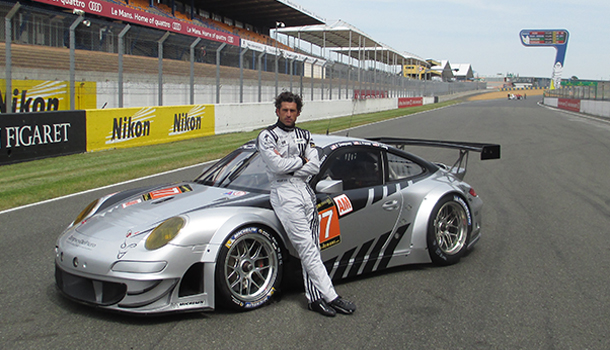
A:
587, 90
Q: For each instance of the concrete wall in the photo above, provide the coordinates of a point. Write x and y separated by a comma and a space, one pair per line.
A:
592, 107
250, 116
599, 108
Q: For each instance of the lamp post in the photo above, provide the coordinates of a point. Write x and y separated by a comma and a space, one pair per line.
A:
277, 25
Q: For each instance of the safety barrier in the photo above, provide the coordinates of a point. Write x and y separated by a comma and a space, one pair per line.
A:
592, 107
28, 136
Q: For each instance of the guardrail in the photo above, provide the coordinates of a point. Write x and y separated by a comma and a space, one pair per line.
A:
28, 136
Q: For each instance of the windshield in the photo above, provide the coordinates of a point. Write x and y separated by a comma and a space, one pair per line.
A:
243, 169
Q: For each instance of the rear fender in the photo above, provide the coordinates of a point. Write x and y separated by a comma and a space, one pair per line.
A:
420, 224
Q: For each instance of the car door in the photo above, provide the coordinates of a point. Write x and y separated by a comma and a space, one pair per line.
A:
357, 225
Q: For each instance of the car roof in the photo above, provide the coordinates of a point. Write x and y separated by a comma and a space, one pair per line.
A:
324, 141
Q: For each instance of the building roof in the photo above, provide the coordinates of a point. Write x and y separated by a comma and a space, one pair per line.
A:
461, 69
261, 13
346, 39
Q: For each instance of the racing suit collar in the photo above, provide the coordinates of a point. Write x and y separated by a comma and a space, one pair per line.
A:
280, 125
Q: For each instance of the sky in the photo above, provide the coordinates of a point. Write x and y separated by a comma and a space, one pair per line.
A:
484, 33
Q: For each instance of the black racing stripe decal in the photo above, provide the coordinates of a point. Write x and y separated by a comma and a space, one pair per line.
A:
360, 258
329, 265
389, 251
391, 189
374, 256
343, 263
254, 200
378, 193
361, 196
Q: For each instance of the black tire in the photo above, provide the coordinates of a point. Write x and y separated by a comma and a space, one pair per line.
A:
449, 230
249, 269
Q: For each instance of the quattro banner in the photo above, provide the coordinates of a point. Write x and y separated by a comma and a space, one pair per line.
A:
132, 127
28, 136
125, 13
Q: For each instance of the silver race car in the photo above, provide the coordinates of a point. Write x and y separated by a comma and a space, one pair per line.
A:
216, 241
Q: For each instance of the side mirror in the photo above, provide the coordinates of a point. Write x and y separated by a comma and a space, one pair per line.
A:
329, 186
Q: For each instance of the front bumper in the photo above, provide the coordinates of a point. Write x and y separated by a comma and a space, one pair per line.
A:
186, 284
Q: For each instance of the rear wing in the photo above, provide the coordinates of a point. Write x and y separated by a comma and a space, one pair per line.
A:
487, 150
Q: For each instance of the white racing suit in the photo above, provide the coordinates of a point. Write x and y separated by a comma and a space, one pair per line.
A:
291, 160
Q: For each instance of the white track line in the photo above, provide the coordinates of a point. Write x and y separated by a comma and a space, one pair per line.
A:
102, 188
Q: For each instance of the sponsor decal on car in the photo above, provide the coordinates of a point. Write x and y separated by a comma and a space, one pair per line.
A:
166, 192
356, 143
330, 231
128, 244
343, 204
81, 243
130, 203
235, 193
190, 303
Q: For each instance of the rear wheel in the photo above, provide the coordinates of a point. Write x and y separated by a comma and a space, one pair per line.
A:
249, 269
448, 230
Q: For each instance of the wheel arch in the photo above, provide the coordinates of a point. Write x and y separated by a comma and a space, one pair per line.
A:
420, 224
244, 217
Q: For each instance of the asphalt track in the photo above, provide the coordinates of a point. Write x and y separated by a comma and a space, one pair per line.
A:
538, 279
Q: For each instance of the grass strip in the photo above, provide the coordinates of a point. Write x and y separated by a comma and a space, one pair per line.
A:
38, 180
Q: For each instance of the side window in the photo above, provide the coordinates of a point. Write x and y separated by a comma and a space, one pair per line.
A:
357, 168
401, 168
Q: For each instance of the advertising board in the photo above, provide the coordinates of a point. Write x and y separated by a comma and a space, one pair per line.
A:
28, 136
132, 15
404, 102
132, 127
46, 95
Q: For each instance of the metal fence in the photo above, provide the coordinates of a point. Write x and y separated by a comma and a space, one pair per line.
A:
175, 69
586, 90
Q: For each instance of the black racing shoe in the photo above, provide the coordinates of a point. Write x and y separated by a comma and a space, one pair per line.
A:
322, 307
343, 306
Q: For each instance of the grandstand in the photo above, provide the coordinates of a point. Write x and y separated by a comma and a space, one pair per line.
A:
227, 48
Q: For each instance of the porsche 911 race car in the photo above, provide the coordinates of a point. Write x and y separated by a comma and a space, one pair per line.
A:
215, 241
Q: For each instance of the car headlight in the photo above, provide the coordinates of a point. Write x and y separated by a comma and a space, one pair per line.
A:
85, 213
164, 233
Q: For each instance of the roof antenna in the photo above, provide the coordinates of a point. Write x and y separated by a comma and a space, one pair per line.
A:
328, 127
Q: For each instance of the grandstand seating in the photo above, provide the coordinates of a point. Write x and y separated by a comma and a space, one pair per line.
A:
58, 59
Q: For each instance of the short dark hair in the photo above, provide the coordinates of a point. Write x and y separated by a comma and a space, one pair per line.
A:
288, 96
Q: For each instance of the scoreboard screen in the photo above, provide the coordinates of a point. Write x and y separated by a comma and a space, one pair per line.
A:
557, 38
544, 37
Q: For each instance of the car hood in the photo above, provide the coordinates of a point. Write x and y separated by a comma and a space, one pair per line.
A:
144, 210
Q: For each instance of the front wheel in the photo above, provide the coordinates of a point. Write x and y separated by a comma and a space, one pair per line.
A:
449, 230
249, 269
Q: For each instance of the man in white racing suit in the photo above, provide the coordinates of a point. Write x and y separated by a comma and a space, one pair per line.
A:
291, 161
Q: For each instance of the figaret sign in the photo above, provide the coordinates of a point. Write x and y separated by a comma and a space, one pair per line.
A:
557, 38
